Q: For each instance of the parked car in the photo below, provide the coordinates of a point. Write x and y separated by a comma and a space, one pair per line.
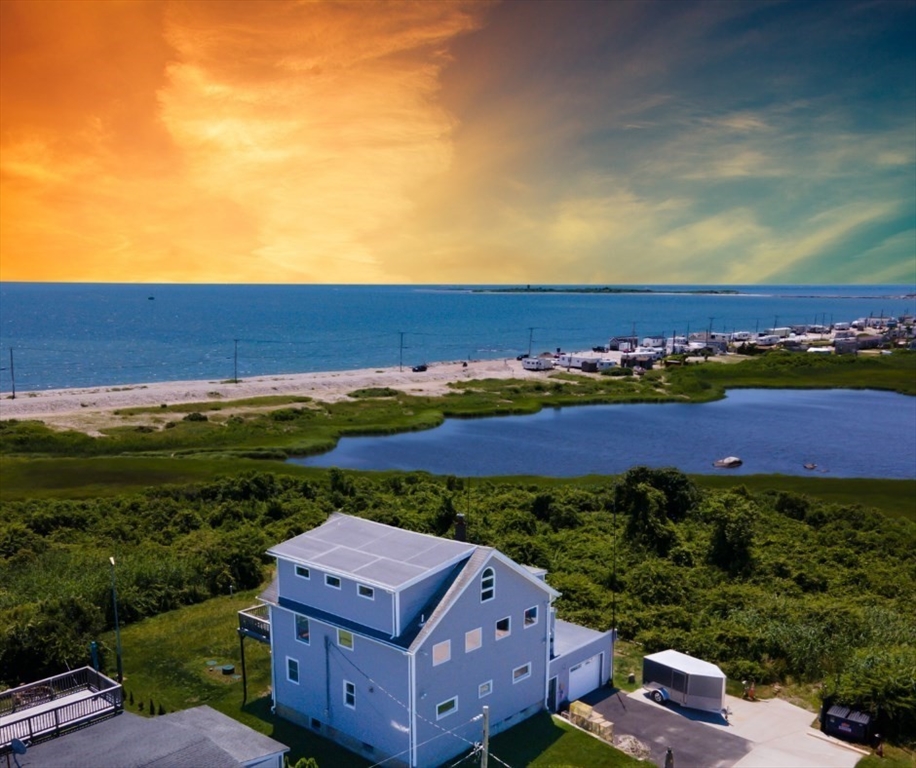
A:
419, 368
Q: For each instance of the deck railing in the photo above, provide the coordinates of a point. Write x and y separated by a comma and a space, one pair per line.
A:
254, 622
29, 712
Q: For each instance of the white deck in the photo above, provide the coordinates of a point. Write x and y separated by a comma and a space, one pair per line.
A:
65, 711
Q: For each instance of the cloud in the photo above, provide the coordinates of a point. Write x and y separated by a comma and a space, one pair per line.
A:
455, 142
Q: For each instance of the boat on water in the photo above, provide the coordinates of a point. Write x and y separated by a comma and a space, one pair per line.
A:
729, 462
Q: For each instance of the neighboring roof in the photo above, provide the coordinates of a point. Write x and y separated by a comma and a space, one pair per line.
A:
371, 552
241, 742
130, 741
685, 663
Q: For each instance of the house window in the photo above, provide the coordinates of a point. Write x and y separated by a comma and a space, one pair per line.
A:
292, 670
302, 629
487, 585
520, 673
473, 640
364, 591
332, 581
484, 689
442, 652
503, 628
349, 694
345, 639
446, 708
531, 616
302, 571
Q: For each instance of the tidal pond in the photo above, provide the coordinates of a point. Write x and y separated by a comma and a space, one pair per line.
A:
832, 432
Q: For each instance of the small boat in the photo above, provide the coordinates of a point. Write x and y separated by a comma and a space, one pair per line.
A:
729, 462
810, 466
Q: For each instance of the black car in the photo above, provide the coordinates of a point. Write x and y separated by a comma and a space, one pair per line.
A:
419, 368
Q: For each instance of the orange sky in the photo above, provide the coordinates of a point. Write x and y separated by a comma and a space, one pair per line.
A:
403, 142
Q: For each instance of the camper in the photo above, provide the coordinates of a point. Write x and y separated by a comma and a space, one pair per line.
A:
537, 363
685, 680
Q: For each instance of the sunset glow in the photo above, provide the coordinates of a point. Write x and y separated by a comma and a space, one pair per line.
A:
457, 142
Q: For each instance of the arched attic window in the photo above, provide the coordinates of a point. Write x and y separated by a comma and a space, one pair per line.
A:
487, 585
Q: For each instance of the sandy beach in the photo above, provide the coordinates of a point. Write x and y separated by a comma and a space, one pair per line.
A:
92, 408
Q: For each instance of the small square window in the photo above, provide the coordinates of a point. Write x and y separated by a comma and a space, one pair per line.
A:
520, 673
503, 628
364, 591
345, 639
484, 689
349, 694
332, 581
446, 708
292, 670
302, 629
531, 616
302, 571
473, 640
442, 652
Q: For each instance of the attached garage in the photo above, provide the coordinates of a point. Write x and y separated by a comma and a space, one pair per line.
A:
585, 677
688, 681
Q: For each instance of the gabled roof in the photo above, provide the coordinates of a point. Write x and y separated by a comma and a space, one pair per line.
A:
372, 552
468, 575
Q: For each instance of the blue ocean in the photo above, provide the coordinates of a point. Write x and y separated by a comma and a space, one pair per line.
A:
75, 335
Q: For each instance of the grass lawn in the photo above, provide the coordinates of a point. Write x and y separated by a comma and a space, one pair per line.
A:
549, 742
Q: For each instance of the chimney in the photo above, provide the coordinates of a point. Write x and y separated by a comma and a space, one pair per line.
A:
461, 528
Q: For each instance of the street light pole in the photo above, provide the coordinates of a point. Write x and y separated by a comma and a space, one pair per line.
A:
114, 602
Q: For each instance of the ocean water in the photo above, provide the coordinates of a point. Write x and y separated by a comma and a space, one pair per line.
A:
75, 335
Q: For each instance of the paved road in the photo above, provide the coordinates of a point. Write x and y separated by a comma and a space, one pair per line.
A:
693, 743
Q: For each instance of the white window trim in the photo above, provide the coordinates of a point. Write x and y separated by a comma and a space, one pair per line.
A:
537, 617
479, 631
298, 671
352, 640
296, 629
448, 648
508, 631
370, 590
491, 588
523, 677
327, 581
353, 686
451, 711
489, 689
306, 575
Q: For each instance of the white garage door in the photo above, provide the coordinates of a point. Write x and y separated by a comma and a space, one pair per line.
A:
584, 677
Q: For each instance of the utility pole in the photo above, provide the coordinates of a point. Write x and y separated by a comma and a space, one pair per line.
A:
12, 375
530, 336
709, 329
235, 363
401, 352
485, 756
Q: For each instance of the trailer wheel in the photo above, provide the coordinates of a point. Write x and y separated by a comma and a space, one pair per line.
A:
657, 696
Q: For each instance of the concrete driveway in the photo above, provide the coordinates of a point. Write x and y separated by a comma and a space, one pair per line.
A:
758, 734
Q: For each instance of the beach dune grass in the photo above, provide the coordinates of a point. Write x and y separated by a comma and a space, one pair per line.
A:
271, 427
